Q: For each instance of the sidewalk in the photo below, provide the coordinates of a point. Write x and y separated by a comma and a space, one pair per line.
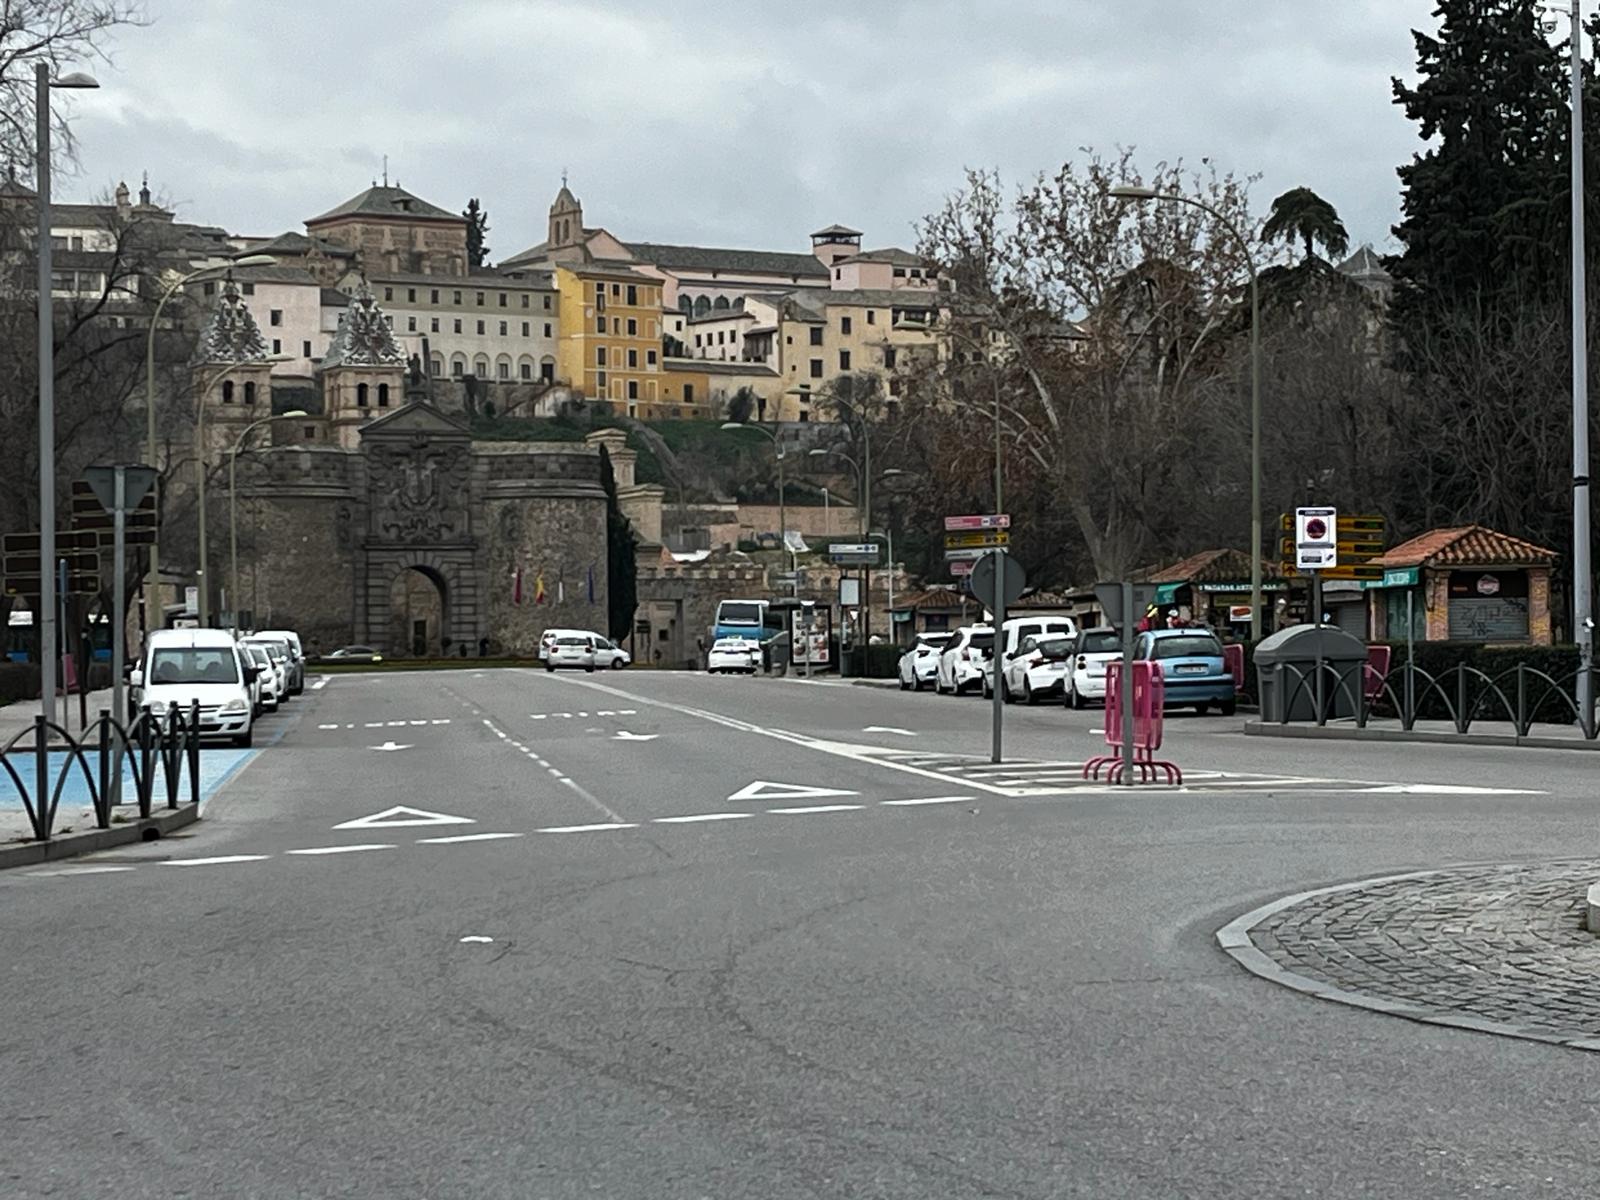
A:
1482, 733
19, 715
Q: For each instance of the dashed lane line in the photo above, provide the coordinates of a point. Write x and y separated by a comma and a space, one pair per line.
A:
466, 837
694, 818
607, 825
345, 849
215, 861
816, 808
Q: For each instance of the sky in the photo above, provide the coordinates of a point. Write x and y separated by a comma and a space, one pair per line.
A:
747, 123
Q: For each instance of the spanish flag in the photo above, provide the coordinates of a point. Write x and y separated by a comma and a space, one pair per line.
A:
539, 596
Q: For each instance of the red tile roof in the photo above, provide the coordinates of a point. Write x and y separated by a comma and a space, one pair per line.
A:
1210, 566
1466, 546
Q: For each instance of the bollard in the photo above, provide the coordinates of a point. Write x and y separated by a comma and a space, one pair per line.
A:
41, 798
1461, 699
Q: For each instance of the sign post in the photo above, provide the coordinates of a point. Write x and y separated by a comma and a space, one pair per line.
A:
997, 579
1316, 549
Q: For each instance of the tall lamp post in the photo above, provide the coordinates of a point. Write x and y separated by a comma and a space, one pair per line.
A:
152, 604
1135, 192
47, 387
783, 518
293, 414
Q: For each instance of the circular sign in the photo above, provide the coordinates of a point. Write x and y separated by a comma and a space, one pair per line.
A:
1488, 585
1316, 529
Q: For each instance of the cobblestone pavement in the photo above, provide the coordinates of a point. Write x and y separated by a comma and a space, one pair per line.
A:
1501, 949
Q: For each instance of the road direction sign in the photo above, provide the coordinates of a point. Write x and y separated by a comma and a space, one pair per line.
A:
984, 538
968, 554
861, 553
961, 567
1349, 550
981, 581
1365, 525
1316, 539
978, 521
761, 789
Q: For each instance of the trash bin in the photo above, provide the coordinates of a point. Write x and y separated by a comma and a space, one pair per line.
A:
1296, 650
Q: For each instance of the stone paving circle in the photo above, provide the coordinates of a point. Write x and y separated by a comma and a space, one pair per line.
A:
1497, 949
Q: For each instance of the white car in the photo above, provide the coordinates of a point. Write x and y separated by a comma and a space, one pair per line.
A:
964, 659
1091, 651
184, 666
608, 655
1039, 668
919, 665
734, 654
283, 666
297, 655
266, 681
549, 636
1013, 633
572, 650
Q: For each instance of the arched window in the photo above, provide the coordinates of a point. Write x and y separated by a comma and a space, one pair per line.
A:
525, 369
480, 367
502, 367
249, 393
458, 366
361, 395
722, 304
227, 391
685, 304
383, 395
436, 366
702, 305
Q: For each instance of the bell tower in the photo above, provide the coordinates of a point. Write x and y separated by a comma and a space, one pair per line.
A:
566, 220
364, 371
231, 371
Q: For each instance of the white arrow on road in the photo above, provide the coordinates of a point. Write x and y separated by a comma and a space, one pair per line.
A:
390, 746
623, 735
889, 729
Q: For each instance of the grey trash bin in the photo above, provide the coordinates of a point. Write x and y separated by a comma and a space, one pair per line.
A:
1294, 686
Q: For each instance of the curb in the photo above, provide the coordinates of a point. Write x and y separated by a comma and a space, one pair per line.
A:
1353, 734
146, 829
1234, 940
1591, 909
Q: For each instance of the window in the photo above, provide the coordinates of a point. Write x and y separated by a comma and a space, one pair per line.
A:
804, 415
600, 299
275, 316
504, 369
361, 395
872, 316
633, 389
526, 370
525, 299
599, 356
411, 324
899, 272
633, 295
599, 324
633, 327
388, 293
816, 335
305, 349
411, 295
277, 346
844, 324
688, 393
633, 360
599, 292
311, 433
526, 329
697, 339
616, 291
502, 329
719, 337
436, 366
889, 357
458, 324
77, 243
547, 372
480, 328
227, 391
208, 288
844, 360
600, 380
650, 358
547, 303
547, 329
480, 299
433, 296
249, 289
383, 395
456, 299
816, 368
458, 368
837, 273
480, 367
433, 325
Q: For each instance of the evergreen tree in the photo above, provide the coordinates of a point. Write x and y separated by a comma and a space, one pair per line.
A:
622, 585
1302, 215
477, 231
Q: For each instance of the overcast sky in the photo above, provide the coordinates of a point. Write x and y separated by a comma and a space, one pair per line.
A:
745, 123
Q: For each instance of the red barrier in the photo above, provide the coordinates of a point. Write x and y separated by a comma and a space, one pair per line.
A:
1376, 672
1233, 660
1149, 706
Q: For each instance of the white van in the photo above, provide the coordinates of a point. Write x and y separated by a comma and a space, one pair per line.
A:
1017, 630
207, 665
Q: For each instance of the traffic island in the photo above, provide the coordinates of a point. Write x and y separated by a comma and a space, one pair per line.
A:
121, 833
1493, 949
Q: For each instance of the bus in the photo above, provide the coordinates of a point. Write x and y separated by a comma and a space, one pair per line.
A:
744, 618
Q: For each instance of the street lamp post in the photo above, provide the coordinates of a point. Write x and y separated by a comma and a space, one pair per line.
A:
783, 519
1135, 192
152, 603
233, 500
47, 390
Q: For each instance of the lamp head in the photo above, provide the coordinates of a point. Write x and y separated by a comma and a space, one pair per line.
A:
292, 414
75, 80
256, 260
1131, 191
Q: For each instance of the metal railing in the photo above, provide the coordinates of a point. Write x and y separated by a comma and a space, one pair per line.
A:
1521, 695
150, 740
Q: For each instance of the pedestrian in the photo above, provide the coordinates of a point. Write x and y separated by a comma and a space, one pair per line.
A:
483, 647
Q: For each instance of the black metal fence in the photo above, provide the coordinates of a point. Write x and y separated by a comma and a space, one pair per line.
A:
1462, 695
170, 742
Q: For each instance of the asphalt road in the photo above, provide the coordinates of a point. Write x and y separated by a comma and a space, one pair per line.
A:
866, 965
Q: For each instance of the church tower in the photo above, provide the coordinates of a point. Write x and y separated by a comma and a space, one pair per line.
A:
363, 373
566, 222
231, 371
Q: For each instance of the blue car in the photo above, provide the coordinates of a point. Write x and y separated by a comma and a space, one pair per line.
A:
1191, 667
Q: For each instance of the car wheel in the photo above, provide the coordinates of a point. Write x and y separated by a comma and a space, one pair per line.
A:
246, 739
1200, 709
1027, 693
1075, 700
1228, 707
904, 686
617, 664
589, 669
550, 667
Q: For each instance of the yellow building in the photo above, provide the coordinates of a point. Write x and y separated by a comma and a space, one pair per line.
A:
609, 346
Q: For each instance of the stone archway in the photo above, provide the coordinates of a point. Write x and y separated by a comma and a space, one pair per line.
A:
419, 613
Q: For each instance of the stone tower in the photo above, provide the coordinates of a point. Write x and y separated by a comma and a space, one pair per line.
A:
364, 372
230, 370
566, 221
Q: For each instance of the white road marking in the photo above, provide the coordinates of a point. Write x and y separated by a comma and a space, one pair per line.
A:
440, 721
466, 837
623, 735
928, 800
214, 862
401, 815
696, 817
394, 723
344, 849
889, 729
593, 800
762, 790
374, 725
391, 745
476, 939
1444, 789
817, 808
587, 828
327, 726
322, 682
62, 871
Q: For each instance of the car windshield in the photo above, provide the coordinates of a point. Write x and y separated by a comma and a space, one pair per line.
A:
572, 641
739, 614
981, 641
1099, 643
1189, 645
276, 650
356, 650
211, 664
733, 644
1056, 647
259, 656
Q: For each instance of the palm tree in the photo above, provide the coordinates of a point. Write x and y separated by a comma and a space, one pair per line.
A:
1302, 215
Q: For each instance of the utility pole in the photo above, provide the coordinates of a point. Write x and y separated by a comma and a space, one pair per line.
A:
47, 407
1582, 580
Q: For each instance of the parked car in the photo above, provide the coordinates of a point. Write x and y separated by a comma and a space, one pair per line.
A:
183, 666
571, 650
265, 683
354, 654
919, 665
297, 655
608, 655
963, 660
1092, 649
549, 636
1038, 670
289, 671
1192, 668
734, 654
1017, 630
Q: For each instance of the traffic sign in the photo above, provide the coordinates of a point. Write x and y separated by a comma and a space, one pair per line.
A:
1316, 538
983, 538
968, 554
1356, 571
981, 581
1368, 525
1110, 597
962, 567
1351, 551
862, 553
67, 541
978, 521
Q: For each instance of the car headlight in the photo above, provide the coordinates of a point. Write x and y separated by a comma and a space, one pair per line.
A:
234, 706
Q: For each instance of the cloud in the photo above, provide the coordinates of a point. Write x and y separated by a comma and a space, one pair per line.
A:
737, 123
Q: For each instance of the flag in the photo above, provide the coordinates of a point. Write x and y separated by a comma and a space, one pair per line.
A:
591, 583
538, 588
516, 586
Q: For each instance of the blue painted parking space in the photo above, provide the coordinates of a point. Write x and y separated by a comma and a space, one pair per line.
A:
216, 765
